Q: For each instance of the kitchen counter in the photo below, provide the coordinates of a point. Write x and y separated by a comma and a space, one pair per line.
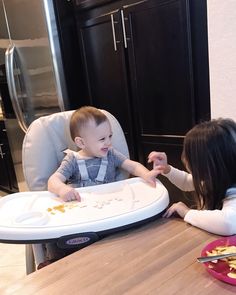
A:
157, 258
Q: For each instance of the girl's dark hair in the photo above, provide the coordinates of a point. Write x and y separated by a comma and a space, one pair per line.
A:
210, 154
82, 116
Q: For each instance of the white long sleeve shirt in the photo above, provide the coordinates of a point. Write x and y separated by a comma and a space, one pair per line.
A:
220, 222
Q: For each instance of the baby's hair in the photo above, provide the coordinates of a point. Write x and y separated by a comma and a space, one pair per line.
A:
82, 116
210, 154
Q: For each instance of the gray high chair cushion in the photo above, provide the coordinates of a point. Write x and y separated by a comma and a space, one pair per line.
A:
47, 138
42, 153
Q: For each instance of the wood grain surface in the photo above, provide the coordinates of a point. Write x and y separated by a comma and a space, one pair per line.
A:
156, 258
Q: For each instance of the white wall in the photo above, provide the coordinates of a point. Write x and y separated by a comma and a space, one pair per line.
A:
222, 57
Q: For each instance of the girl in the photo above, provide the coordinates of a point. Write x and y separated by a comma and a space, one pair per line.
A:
209, 155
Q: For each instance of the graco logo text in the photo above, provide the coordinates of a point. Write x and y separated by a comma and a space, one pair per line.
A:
76, 241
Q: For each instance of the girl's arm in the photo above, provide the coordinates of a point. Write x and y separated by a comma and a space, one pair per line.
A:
220, 222
181, 179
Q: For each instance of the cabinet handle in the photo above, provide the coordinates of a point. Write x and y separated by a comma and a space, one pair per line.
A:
114, 32
123, 27
1, 153
134, 4
10, 54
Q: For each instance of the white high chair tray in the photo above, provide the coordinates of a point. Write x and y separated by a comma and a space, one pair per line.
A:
30, 216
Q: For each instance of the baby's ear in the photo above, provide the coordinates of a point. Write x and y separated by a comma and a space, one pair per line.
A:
79, 142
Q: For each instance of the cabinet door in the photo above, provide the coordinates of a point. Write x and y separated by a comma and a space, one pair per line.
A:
104, 60
11, 171
159, 49
159, 45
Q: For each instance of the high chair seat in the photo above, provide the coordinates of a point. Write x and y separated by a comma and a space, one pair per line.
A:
45, 141
42, 152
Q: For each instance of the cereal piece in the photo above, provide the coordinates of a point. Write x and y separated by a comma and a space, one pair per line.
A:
232, 275
82, 205
231, 261
60, 208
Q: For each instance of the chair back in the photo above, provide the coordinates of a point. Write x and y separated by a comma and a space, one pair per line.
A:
46, 139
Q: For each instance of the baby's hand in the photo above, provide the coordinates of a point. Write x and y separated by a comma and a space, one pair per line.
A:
68, 194
150, 177
180, 208
160, 163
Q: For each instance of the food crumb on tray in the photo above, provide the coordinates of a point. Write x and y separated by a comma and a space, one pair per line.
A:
61, 208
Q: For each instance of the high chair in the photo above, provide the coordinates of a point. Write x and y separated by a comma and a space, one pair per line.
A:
42, 152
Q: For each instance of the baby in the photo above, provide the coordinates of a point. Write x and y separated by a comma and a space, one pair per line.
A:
97, 161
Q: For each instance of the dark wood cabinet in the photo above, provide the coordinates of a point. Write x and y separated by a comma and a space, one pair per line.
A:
158, 43
71, 59
8, 180
160, 62
4, 179
142, 63
106, 72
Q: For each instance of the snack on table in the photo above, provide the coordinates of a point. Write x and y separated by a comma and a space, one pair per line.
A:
231, 261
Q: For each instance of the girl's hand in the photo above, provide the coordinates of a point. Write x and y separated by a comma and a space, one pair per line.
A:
68, 194
180, 208
160, 163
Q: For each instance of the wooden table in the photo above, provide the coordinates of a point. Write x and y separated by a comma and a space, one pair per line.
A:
157, 258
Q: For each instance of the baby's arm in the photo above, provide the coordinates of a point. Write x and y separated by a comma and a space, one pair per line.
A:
56, 185
138, 169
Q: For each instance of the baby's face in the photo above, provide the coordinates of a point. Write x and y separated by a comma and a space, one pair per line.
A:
96, 139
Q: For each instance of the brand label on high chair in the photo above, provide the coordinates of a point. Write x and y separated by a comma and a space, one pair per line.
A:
77, 241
